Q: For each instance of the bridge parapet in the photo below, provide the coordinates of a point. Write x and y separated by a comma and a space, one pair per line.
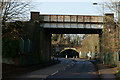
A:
71, 21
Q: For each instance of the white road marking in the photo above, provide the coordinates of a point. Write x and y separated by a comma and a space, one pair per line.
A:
54, 73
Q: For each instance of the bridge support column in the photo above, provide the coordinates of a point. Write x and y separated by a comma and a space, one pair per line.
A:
42, 45
41, 41
45, 46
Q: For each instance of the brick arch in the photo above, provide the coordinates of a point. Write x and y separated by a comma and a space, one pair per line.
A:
70, 48
70, 52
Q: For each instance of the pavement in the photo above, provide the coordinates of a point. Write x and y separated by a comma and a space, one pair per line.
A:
44, 73
16, 71
106, 72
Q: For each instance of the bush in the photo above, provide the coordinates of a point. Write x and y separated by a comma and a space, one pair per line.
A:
118, 73
10, 47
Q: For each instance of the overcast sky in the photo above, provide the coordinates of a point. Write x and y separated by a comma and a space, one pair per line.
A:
74, 8
68, 0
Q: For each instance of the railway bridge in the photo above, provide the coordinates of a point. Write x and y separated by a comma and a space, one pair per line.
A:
42, 26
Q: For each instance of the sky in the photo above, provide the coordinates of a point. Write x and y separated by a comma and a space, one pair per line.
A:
67, 0
70, 8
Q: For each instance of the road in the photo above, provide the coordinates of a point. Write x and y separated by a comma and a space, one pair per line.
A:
68, 69
82, 69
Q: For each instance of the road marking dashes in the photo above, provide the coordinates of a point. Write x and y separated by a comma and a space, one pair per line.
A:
54, 73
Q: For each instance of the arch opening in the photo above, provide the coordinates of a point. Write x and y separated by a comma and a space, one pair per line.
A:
69, 52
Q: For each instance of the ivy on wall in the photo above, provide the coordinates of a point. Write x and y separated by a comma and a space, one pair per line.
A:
10, 47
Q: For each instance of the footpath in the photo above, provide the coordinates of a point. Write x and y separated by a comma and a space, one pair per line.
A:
11, 71
106, 73
39, 72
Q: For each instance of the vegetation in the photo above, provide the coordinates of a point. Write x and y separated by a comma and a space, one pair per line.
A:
10, 47
110, 36
12, 11
89, 43
65, 39
118, 73
113, 23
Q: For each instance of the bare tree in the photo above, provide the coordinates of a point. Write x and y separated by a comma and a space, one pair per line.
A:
14, 10
111, 31
113, 6
11, 11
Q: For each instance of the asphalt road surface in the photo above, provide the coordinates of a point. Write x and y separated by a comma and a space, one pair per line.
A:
81, 70
68, 69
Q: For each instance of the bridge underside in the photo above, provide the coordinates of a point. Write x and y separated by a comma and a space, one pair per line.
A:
72, 31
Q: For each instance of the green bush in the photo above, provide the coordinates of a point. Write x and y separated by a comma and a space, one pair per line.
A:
10, 47
118, 73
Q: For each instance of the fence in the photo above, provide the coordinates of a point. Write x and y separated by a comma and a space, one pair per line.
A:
25, 57
25, 45
111, 59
